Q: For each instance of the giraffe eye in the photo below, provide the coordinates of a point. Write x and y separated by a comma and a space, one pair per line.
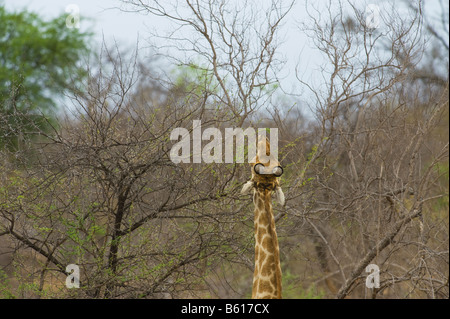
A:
259, 168
277, 171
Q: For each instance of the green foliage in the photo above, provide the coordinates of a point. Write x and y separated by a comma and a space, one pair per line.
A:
5, 289
38, 62
442, 170
195, 80
292, 288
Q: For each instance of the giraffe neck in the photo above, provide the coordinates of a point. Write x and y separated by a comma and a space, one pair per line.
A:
267, 275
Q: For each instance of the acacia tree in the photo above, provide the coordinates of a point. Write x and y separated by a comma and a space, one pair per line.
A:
233, 43
372, 187
365, 180
435, 65
104, 194
39, 60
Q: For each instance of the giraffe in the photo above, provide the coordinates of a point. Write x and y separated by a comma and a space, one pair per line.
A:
264, 181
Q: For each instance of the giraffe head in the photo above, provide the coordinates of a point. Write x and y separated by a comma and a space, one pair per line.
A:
266, 172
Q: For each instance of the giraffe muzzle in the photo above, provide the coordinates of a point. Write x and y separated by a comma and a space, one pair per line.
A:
260, 169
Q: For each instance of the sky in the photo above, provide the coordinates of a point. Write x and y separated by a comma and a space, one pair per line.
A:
106, 21
109, 21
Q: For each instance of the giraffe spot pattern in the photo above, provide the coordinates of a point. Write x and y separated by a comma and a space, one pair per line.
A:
267, 272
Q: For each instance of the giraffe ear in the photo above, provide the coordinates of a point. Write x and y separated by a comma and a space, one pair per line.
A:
280, 196
247, 187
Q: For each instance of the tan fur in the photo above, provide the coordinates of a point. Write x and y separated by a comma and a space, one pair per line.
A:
267, 273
